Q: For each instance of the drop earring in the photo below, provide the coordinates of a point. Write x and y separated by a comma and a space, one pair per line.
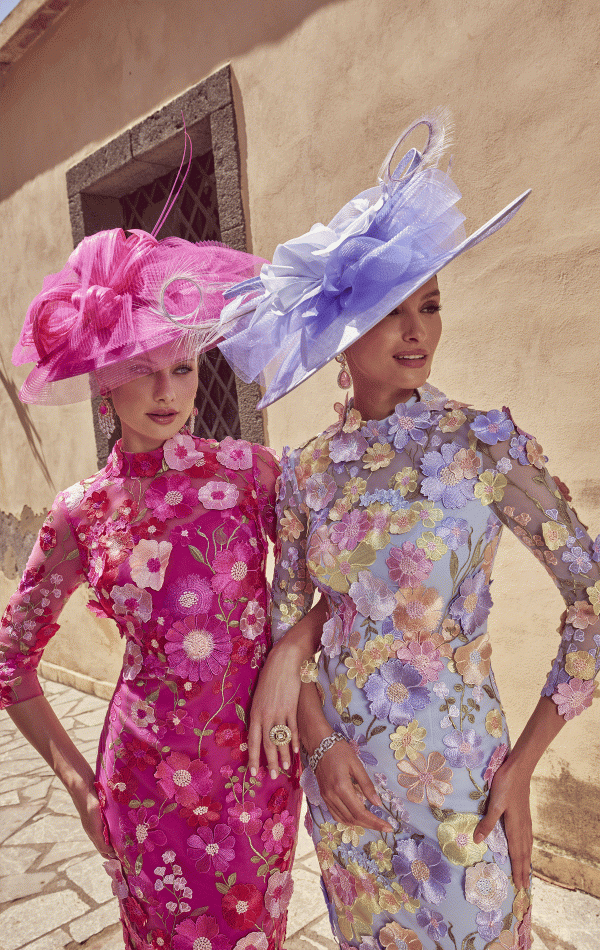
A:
191, 423
106, 416
344, 379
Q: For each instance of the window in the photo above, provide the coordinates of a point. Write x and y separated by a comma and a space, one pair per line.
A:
125, 184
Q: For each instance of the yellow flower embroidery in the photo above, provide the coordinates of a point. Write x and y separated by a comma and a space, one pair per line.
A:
521, 904
490, 487
493, 723
354, 489
360, 666
351, 834
455, 836
594, 595
581, 665
341, 507
453, 421
427, 513
378, 650
407, 740
381, 854
403, 520
473, 660
341, 694
379, 455
290, 527
393, 935
433, 546
404, 481
555, 534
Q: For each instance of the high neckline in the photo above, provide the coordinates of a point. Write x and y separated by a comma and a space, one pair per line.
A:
428, 395
121, 462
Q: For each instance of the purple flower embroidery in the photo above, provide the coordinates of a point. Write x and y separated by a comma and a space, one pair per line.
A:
462, 749
578, 560
372, 597
517, 449
473, 604
216, 848
408, 422
433, 921
351, 529
408, 565
395, 692
444, 480
596, 549
357, 742
494, 427
454, 532
421, 870
347, 447
489, 923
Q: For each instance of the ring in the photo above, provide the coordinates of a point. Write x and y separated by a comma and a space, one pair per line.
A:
280, 735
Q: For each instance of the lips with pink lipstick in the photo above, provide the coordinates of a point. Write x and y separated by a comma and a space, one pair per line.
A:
413, 359
163, 417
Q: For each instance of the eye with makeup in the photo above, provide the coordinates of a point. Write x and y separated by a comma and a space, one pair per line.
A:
183, 368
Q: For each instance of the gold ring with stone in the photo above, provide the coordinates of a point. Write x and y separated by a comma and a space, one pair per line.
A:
280, 735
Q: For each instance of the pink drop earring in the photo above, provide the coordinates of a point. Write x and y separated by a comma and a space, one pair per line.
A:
344, 379
106, 416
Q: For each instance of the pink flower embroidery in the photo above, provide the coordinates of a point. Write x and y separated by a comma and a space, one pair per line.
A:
573, 697
147, 834
218, 495
233, 575
279, 892
253, 941
235, 454
131, 600
320, 489
197, 648
180, 452
279, 832
148, 563
497, 758
202, 932
252, 621
171, 496
351, 529
212, 848
183, 779
245, 819
409, 566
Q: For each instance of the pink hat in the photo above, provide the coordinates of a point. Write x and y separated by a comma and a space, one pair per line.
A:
119, 298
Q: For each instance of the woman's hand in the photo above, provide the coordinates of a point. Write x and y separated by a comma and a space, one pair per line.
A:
509, 799
90, 813
344, 785
275, 702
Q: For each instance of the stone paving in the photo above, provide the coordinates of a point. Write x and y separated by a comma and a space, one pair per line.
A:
55, 894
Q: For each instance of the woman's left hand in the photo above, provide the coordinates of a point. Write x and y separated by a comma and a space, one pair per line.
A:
509, 799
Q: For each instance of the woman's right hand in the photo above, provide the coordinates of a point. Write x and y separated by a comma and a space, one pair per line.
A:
87, 804
344, 785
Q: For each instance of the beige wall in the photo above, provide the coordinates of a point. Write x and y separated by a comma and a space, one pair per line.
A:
322, 90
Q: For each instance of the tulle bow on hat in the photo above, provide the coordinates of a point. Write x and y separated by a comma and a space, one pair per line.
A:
123, 305
328, 287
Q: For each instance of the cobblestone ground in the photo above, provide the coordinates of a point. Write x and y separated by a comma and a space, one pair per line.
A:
55, 894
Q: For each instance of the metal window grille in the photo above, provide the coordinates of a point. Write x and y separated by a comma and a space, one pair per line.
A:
195, 217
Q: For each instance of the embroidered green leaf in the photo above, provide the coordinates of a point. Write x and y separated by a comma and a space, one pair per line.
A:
454, 565
196, 553
240, 711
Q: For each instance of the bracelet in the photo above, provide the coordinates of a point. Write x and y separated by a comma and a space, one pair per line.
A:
323, 747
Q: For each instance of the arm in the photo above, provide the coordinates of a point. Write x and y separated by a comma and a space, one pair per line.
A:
38, 722
532, 507
53, 572
296, 630
343, 781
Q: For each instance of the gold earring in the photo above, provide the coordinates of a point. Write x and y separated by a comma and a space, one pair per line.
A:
106, 416
344, 379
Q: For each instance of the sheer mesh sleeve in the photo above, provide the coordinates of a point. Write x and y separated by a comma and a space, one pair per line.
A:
266, 473
53, 572
292, 588
516, 485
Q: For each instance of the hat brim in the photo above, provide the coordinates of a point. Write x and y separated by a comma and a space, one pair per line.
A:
280, 385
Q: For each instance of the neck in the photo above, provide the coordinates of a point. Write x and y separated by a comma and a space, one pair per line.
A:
376, 404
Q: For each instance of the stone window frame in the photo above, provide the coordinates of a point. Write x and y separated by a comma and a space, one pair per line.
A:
144, 152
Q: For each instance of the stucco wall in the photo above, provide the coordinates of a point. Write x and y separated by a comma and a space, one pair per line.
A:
322, 89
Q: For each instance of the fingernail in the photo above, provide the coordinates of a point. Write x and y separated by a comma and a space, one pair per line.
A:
296, 749
286, 765
378, 800
273, 773
253, 772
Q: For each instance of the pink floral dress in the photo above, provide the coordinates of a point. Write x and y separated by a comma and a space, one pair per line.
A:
173, 545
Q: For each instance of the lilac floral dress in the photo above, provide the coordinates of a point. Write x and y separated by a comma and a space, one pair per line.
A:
397, 523
173, 545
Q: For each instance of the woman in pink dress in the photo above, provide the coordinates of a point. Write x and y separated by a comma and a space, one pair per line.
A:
171, 537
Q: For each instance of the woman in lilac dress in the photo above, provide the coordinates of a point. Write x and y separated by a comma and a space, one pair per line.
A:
171, 536
394, 514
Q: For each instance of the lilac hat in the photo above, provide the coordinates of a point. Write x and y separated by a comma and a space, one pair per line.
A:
327, 288
121, 307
